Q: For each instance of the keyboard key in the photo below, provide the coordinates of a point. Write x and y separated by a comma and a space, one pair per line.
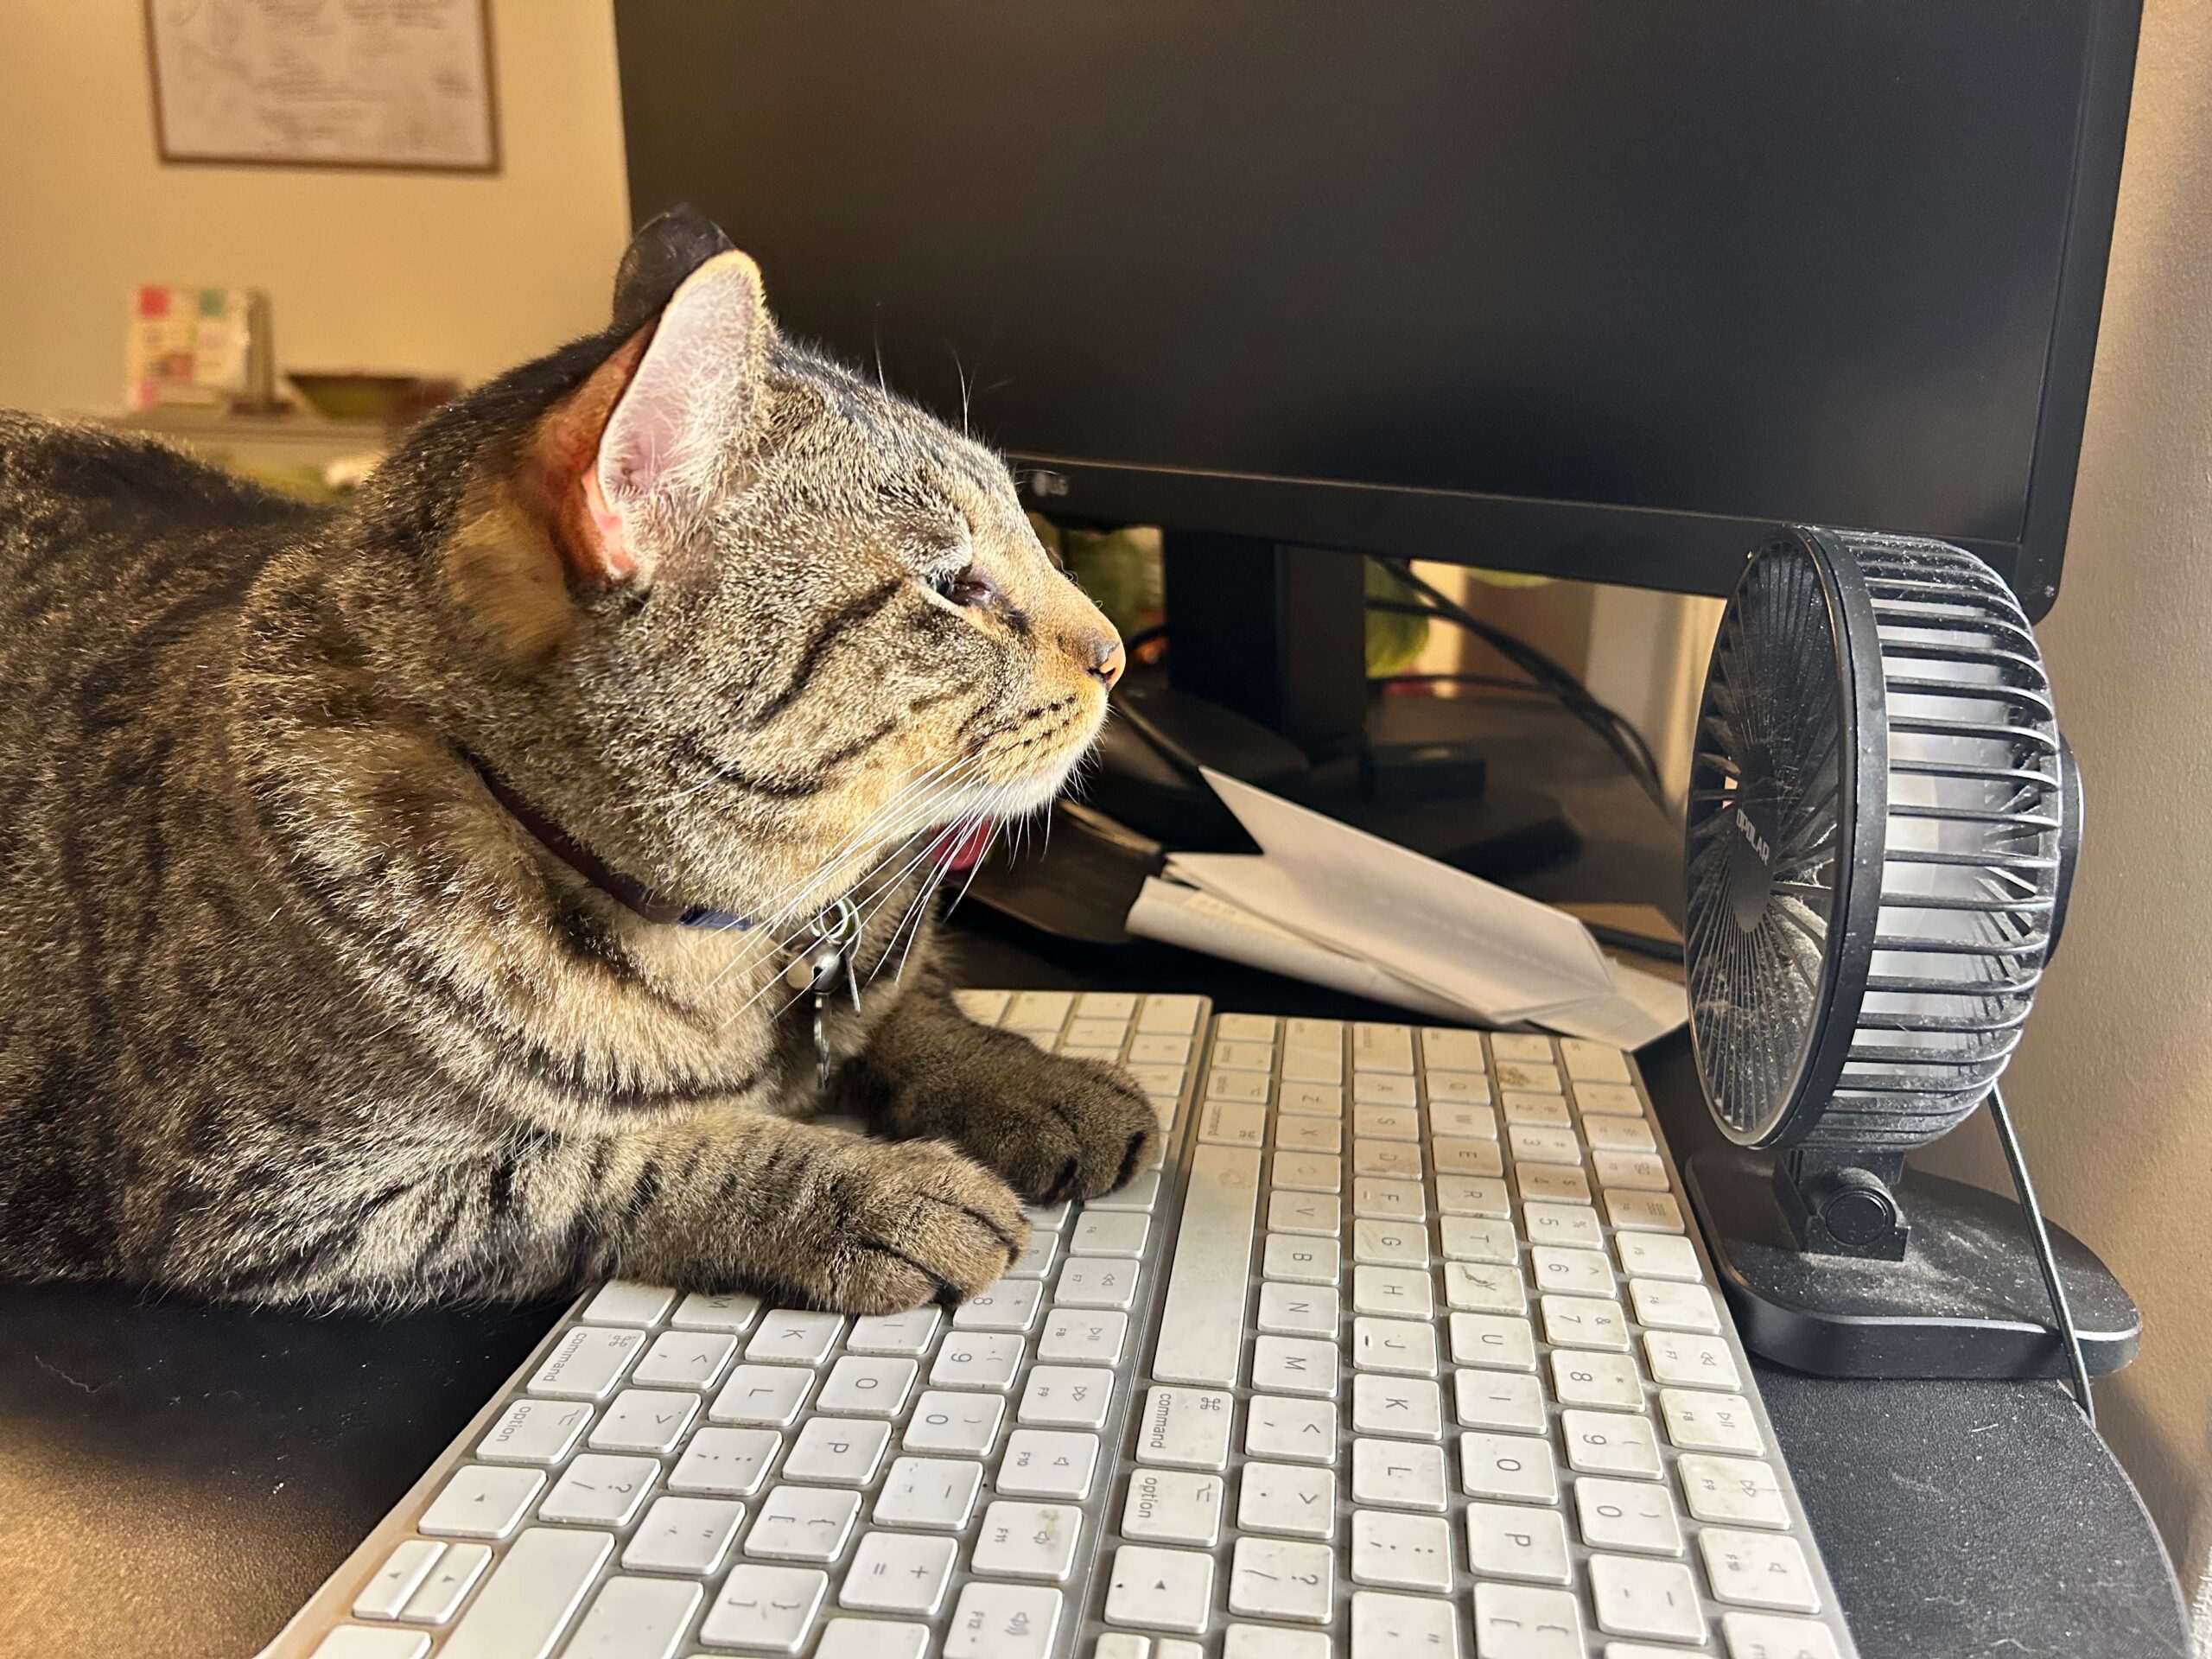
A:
1303, 1099
1584, 1378
1389, 1243
1402, 1552
1154, 1589
1304, 1135
1698, 1421
1644, 1213
1608, 1099
1172, 1014
1571, 1224
1741, 1491
1455, 1155
644, 1420
1637, 1171
1637, 1596
1463, 1089
1658, 1256
1003, 1621
899, 1573
1397, 1474
1296, 1172
938, 1493
1298, 1310
984, 1007
1038, 1011
1403, 1291
1300, 1213
1245, 1027
1545, 1111
530, 1595
601, 1491
1609, 1443
1469, 1238
1295, 1365
976, 1359
1066, 1397
1186, 1428
1513, 1541
733, 1311
1520, 1047
1170, 1506
1589, 1062
1149, 1048
962, 1425
1535, 1080
685, 1359
1046, 1218
1398, 1346
837, 1451
624, 1301
481, 1502
766, 1395
385, 1593
766, 1609
587, 1362
1627, 1515
1202, 1319
1007, 1304
1047, 1463
1235, 1113
1028, 1541
1139, 1195
1300, 1500
1554, 1184
1584, 1322
871, 1638
635, 1618
535, 1431
1271, 1578
1537, 1143
1279, 1425
1498, 1341
910, 1333
1617, 1134
1673, 1306
1514, 1621
725, 1462
1574, 1273
1397, 1405
1394, 1158
1302, 1064
1473, 1195
683, 1534
1081, 1335
1503, 1400
1121, 1006
1377, 1047
1087, 1031
1764, 1636
1697, 1361
1508, 1466
1289, 1258
438, 1597
1383, 1108
1388, 1626
364, 1642
1257, 1641
794, 1337
861, 1385
1384, 1199
1453, 1051
1097, 1281
804, 1524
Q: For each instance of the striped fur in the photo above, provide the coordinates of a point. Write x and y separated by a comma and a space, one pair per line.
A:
291, 1011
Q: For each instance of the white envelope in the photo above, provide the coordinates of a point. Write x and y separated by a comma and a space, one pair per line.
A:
1507, 957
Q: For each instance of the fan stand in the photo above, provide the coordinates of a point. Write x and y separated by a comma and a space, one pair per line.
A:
1847, 1264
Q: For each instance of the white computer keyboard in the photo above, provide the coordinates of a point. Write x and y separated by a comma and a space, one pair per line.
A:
1402, 1350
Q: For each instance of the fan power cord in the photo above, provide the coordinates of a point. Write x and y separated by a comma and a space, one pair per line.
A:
2046, 1258
1612, 726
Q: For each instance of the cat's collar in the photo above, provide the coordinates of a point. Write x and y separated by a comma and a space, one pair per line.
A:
632, 895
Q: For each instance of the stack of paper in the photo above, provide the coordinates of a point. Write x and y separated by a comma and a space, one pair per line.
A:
1334, 905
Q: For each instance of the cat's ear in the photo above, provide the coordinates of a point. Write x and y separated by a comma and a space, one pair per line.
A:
666, 249
686, 394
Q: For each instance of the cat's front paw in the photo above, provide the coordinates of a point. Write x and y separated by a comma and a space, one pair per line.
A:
1054, 1127
899, 1224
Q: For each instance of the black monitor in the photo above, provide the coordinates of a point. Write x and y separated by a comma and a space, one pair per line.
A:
1596, 288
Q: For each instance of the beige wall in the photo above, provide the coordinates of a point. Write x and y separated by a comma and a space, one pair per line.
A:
463, 274
2114, 1084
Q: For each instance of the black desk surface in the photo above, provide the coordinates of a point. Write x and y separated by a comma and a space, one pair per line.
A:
174, 1480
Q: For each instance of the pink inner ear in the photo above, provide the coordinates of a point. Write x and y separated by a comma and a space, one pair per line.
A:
605, 527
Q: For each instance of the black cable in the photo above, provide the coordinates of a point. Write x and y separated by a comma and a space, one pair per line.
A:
2046, 1257
1488, 682
1611, 727
1642, 944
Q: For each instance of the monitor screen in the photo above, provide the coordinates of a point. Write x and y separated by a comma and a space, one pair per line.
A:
1590, 287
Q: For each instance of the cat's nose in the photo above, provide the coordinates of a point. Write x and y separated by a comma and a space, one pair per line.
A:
1104, 658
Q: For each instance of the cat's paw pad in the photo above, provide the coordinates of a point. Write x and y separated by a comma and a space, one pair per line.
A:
915, 1223
1062, 1128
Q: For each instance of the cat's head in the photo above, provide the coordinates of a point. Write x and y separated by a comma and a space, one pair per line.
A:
745, 621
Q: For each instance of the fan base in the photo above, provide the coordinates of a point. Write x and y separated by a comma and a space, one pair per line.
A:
1968, 1299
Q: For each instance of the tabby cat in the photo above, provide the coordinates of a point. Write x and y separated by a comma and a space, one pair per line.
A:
347, 856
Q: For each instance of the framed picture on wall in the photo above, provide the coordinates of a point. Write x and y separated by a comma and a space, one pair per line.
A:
400, 84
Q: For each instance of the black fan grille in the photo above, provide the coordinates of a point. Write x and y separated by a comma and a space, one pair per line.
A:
1766, 785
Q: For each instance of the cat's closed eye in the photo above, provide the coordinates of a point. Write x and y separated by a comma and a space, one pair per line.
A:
966, 586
